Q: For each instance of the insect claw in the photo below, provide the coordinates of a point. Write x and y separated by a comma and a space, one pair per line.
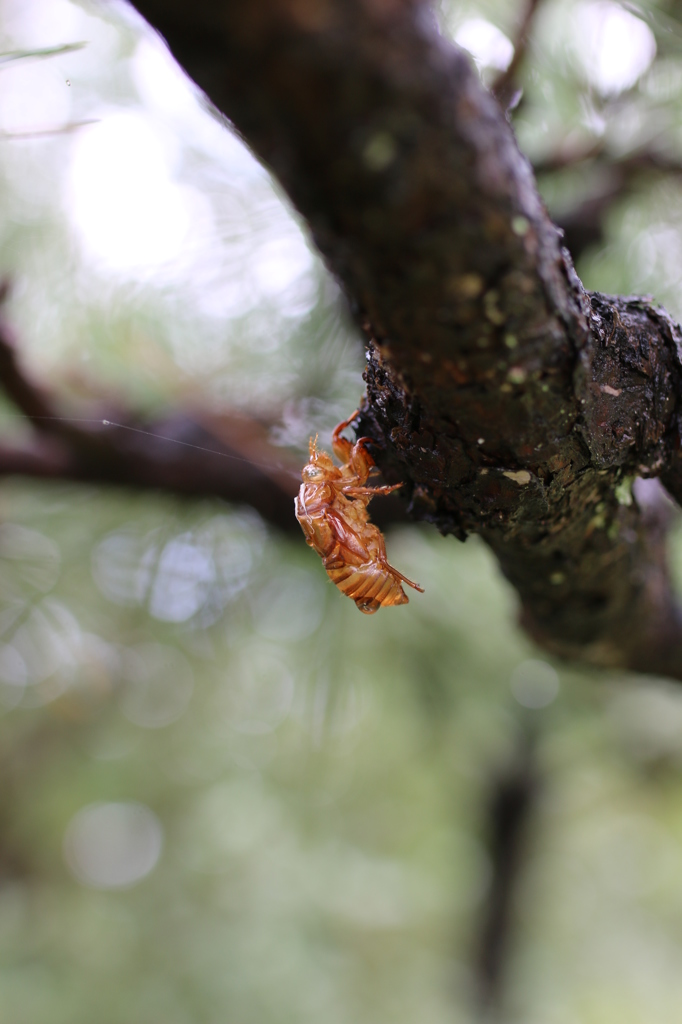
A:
345, 423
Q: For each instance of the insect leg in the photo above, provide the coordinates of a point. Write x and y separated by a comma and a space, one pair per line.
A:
410, 583
341, 446
360, 460
388, 489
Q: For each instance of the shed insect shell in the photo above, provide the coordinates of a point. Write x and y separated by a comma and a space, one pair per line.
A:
332, 509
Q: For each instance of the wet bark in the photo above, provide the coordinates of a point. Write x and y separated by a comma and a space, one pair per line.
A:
510, 403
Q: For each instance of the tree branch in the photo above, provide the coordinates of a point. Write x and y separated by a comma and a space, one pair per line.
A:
505, 85
508, 403
509, 809
585, 224
236, 463
186, 453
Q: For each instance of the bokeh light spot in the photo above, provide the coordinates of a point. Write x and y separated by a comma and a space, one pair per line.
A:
290, 606
615, 46
183, 579
159, 685
122, 565
485, 42
29, 561
130, 214
113, 845
534, 683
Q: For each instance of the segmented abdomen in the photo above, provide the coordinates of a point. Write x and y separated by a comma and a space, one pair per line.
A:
371, 586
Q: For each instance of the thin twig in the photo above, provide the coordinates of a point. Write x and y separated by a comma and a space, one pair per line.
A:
49, 51
505, 84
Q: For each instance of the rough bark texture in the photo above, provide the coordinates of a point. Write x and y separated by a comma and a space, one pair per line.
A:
510, 403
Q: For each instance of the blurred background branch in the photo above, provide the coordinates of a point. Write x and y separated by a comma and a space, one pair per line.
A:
509, 808
506, 86
615, 178
227, 456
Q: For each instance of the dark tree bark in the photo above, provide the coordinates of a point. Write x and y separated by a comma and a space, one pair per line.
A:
509, 402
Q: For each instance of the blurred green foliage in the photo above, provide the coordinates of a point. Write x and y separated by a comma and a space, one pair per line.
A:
226, 796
